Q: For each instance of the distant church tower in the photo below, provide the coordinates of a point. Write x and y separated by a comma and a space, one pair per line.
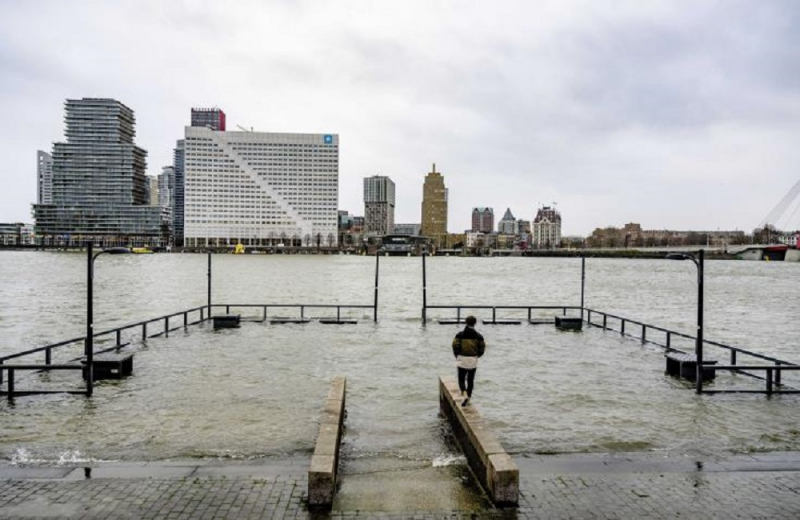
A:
434, 208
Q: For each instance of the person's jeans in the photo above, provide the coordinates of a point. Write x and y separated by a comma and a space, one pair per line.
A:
466, 379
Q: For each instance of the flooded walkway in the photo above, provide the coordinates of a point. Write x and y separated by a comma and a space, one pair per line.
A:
586, 486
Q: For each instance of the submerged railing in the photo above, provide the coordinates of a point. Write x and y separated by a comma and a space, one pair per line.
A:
86, 365
772, 376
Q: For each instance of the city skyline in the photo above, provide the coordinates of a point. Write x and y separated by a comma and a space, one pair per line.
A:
674, 115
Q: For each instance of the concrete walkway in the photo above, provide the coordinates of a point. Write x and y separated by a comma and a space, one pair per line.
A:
552, 487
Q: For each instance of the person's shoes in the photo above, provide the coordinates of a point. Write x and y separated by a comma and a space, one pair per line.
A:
464, 394
465, 402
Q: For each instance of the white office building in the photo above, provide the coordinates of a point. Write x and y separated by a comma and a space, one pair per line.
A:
260, 189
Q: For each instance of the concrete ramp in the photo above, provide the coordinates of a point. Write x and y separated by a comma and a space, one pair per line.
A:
487, 459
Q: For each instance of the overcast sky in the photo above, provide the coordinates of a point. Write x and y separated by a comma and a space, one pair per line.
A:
674, 114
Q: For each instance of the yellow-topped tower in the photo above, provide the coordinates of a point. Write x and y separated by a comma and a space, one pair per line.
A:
434, 208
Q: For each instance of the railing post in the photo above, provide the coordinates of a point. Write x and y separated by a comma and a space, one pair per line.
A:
10, 383
669, 339
302, 312
424, 291
185, 320
227, 309
644, 333
733, 357
144, 331
769, 381
119, 337
377, 264
166, 326
209, 284
202, 314
48, 358
589, 317
605, 321
265, 313
529, 314
458, 314
338, 313
1, 373
583, 282
778, 374
622, 327
494, 319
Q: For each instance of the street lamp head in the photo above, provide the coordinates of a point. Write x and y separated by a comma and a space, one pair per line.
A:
679, 256
117, 250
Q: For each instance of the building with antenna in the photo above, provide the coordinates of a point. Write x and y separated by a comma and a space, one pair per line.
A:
434, 208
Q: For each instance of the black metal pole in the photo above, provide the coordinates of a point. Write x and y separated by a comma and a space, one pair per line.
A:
424, 291
583, 283
377, 263
209, 285
699, 344
89, 345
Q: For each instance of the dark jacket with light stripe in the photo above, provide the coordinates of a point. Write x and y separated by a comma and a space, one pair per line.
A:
468, 342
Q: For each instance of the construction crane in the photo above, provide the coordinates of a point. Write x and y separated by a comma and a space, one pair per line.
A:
243, 129
790, 200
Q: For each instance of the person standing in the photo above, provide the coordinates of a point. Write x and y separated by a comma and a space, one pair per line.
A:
468, 346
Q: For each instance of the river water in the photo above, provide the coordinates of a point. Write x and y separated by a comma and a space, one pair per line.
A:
256, 391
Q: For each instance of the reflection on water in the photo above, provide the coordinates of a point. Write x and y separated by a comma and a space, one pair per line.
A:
257, 391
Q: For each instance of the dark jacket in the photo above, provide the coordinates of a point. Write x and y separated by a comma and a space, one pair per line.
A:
468, 342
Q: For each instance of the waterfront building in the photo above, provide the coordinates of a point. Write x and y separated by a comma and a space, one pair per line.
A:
434, 209
99, 183
379, 203
152, 190
508, 224
546, 228
213, 118
166, 183
258, 188
178, 193
407, 229
523, 226
633, 235
11, 234
44, 174
483, 220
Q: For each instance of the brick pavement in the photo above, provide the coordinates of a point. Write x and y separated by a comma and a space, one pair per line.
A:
551, 488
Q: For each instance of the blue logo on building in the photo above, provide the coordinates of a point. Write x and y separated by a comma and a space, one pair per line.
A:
328, 139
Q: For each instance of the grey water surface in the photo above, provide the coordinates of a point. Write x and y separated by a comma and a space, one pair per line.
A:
257, 391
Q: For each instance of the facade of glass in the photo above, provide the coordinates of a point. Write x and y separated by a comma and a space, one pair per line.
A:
260, 189
379, 203
212, 118
178, 202
44, 170
99, 183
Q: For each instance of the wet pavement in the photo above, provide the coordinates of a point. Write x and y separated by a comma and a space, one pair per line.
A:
577, 486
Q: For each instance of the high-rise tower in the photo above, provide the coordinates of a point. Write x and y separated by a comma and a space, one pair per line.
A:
434, 208
213, 118
379, 205
44, 173
483, 220
99, 183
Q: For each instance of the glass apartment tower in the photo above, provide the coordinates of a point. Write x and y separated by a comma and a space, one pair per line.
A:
260, 189
379, 203
99, 184
44, 171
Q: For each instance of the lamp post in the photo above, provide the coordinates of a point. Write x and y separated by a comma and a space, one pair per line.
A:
89, 345
698, 346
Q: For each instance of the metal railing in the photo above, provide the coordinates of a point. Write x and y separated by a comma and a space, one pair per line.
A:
116, 331
301, 306
495, 308
772, 375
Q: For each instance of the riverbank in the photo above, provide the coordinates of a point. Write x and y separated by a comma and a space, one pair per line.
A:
634, 485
